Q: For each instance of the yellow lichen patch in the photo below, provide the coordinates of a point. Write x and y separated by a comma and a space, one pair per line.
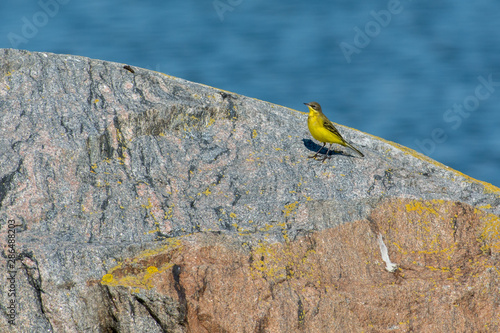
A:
242, 231
265, 228
438, 235
488, 188
152, 270
107, 279
266, 262
290, 209
149, 205
169, 213
139, 272
210, 122
254, 134
278, 262
424, 207
142, 280
490, 235
154, 230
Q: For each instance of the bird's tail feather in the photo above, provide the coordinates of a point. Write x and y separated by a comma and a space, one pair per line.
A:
357, 151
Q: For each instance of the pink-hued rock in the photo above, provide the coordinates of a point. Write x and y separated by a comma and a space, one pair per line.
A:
147, 203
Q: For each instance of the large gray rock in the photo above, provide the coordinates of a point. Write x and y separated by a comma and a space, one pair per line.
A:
146, 203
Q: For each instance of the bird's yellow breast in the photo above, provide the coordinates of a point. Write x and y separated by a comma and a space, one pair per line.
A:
319, 131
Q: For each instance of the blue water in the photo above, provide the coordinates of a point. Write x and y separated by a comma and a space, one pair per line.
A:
423, 57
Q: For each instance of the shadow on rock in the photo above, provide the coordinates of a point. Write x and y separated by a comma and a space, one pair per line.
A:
314, 147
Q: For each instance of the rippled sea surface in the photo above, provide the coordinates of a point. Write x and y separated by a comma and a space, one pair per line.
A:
425, 74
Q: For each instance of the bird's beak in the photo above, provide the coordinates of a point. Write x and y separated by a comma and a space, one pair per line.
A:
306, 104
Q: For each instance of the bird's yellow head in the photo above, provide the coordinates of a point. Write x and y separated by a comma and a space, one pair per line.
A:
314, 108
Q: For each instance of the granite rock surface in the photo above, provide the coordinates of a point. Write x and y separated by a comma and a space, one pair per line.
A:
133, 201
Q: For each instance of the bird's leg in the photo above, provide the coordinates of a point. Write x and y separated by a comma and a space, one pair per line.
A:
327, 152
314, 156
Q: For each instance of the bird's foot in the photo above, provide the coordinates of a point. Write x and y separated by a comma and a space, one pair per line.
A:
327, 157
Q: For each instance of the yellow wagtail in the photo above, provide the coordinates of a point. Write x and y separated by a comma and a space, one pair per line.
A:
322, 129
